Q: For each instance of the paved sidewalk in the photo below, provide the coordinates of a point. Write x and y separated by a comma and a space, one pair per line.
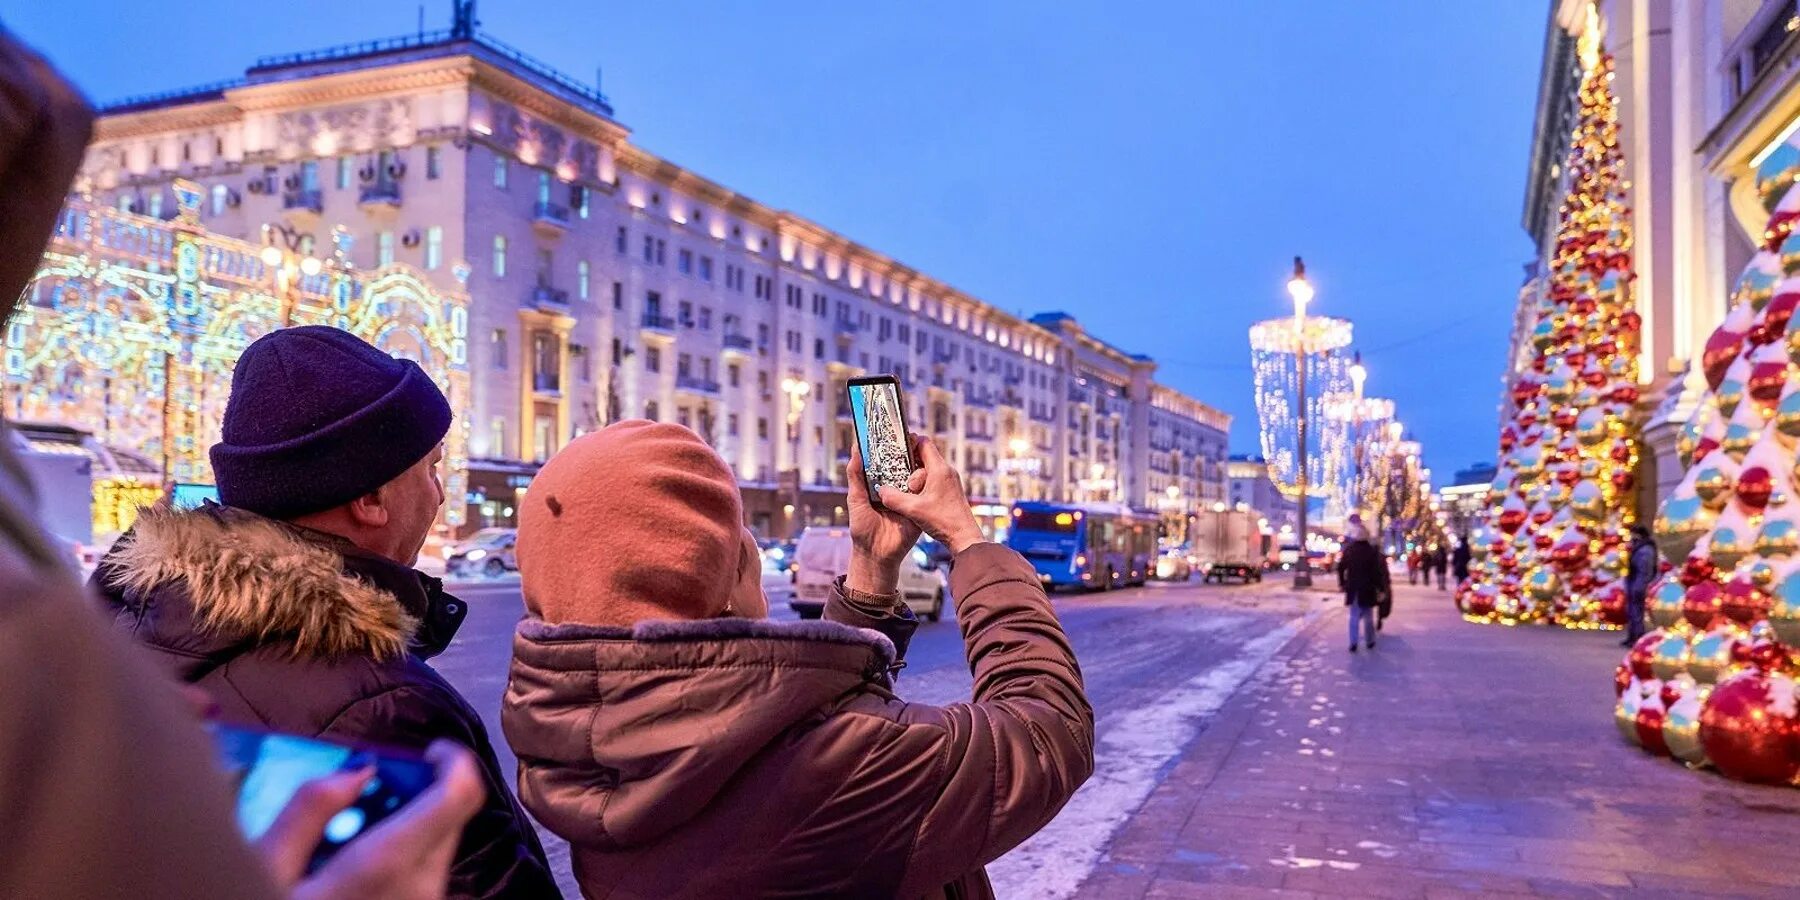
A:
1456, 760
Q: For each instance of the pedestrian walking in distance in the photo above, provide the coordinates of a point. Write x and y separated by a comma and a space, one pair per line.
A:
1440, 561
294, 605
1363, 576
686, 747
1459, 561
1639, 570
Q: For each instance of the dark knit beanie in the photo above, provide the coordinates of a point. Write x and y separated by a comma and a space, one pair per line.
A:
317, 418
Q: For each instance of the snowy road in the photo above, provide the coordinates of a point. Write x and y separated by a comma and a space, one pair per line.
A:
1158, 661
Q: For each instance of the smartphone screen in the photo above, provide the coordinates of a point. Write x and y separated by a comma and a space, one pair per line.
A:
880, 420
267, 768
193, 496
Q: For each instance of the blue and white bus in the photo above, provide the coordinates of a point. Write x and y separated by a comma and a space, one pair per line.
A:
1092, 546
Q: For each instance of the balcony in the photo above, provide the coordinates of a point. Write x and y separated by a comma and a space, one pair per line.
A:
738, 342
1079, 394
302, 207
694, 384
546, 383
843, 409
545, 298
982, 399
382, 196
1011, 397
659, 322
1043, 414
550, 219
976, 433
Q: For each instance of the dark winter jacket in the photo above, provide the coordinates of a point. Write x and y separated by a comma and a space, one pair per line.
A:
1459, 561
1362, 573
1640, 569
749, 758
301, 632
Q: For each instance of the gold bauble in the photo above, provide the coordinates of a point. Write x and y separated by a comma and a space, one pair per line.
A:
1625, 714
1714, 481
1669, 657
1542, 584
1778, 538
1680, 524
1592, 427
1784, 610
1738, 440
1760, 572
1587, 502
1687, 439
1665, 602
1528, 462
1787, 416
1681, 722
1709, 655
1728, 395
1729, 543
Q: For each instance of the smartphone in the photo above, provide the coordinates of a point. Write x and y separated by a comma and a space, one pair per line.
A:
192, 496
266, 768
881, 433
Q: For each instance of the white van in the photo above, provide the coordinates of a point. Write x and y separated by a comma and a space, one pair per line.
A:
823, 554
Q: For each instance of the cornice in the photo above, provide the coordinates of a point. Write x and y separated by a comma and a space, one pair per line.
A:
503, 85
337, 88
205, 114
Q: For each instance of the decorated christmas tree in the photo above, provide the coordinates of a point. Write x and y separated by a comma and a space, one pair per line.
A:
1554, 549
1714, 683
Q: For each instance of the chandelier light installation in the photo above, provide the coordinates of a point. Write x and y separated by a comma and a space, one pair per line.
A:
1714, 684
1554, 548
1275, 353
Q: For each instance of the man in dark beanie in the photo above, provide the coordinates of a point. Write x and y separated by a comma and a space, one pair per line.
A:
293, 602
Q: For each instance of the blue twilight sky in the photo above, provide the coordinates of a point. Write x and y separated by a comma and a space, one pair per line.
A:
1151, 168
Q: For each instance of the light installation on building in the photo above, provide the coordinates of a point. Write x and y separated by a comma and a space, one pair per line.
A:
1275, 348
131, 326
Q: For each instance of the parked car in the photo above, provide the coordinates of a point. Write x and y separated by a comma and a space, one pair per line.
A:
487, 552
823, 553
1174, 565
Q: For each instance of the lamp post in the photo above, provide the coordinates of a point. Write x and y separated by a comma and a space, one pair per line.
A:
1358, 375
796, 389
287, 262
1302, 292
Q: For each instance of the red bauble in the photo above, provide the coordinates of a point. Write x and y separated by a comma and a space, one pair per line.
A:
1670, 694
1754, 485
1778, 311
1705, 446
1621, 680
1564, 417
1527, 419
1581, 582
1543, 540
1780, 225
1524, 391
1649, 729
1702, 604
1721, 348
1696, 570
1766, 381
1481, 603
1508, 438
1510, 520
1508, 563
1743, 734
1612, 604
1625, 394
1641, 653
1623, 480
1743, 602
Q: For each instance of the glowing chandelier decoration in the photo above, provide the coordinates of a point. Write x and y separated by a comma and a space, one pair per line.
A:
1275, 348
131, 326
1714, 684
1554, 549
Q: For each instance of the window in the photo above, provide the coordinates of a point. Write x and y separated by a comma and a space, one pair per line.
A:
500, 166
218, 199
684, 262
653, 360
661, 245
651, 412
343, 173
619, 240
762, 382
434, 246
618, 295
684, 365
732, 373
545, 266
762, 428
543, 195
705, 318
497, 346
434, 162
497, 434
652, 304
578, 198
581, 279
618, 351
731, 424
578, 351
125, 203
818, 348
309, 175
543, 437
156, 205
685, 312
384, 249
681, 417
649, 249
499, 256
705, 268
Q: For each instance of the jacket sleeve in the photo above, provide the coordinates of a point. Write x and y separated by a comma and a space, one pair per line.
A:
499, 855
999, 768
886, 614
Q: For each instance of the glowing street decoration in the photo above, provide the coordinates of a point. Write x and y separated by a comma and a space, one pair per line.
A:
131, 326
1273, 350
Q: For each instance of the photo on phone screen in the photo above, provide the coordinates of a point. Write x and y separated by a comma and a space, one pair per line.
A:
880, 420
268, 768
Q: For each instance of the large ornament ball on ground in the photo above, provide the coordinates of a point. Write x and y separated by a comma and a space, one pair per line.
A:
1642, 655
1665, 601
1748, 730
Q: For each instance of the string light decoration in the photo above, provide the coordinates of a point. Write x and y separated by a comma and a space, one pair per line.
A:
131, 326
1275, 346
1714, 683
1554, 550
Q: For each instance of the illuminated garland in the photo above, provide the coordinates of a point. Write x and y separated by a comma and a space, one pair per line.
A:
1272, 352
1553, 549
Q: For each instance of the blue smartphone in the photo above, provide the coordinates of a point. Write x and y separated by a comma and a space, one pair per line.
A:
266, 768
881, 434
192, 496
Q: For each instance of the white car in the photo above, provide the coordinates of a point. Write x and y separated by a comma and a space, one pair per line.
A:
824, 554
487, 552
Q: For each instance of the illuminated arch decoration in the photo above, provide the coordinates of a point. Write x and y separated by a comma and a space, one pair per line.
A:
131, 327
1275, 349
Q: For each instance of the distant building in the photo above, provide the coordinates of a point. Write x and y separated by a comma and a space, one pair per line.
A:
1248, 478
1464, 501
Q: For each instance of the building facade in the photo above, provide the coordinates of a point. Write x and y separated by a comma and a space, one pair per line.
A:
608, 283
1248, 483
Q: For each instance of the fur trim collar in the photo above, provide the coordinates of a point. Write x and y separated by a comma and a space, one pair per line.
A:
255, 579
668, 631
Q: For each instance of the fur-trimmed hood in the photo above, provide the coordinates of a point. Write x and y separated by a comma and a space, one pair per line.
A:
221, 577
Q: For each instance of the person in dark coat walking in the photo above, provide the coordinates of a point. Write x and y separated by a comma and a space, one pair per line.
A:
1640, 569
294, 605
1363, 576
1440, 563
1459, 561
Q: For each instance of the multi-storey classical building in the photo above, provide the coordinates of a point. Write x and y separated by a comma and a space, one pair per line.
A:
607, 283
1249, 484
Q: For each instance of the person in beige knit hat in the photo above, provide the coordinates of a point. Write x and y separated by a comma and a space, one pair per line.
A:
685, 746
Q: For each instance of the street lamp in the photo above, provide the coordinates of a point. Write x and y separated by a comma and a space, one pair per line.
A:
287, 262
1358, 375
1302, 291
796, 389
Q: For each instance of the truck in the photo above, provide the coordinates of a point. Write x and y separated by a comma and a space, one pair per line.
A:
1227, 544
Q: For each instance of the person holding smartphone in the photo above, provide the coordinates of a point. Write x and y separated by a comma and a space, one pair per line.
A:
687, 747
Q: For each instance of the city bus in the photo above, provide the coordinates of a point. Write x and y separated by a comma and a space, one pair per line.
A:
1092, 546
